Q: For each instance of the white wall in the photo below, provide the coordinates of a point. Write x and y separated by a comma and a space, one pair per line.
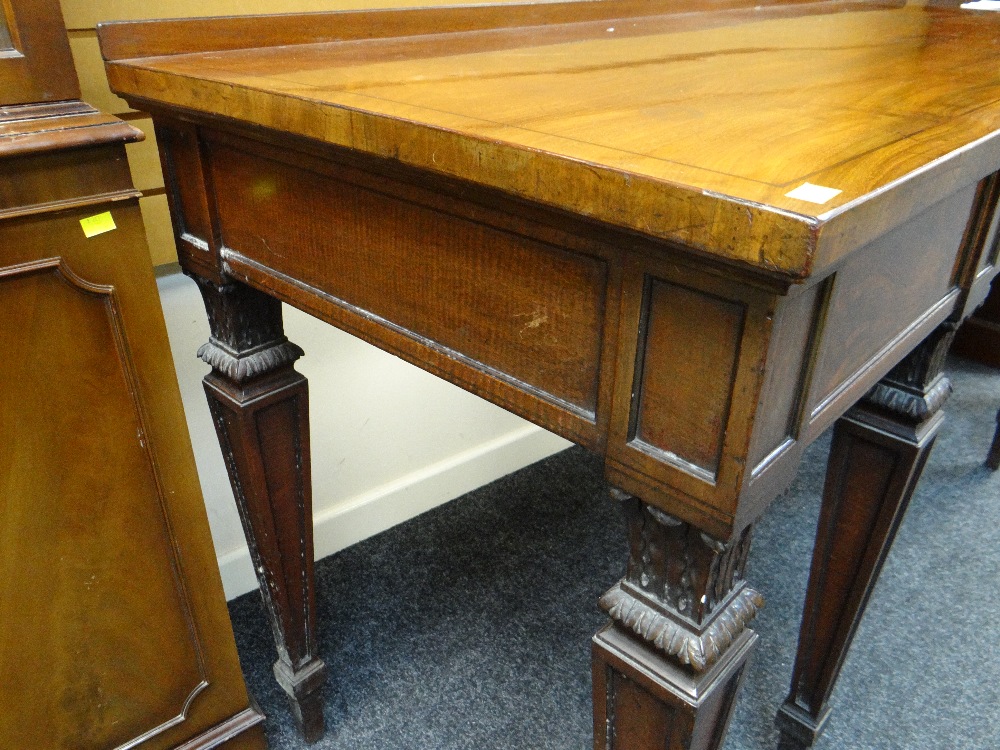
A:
389, 441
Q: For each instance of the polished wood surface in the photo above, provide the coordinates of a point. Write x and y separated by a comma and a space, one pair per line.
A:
701, 163
114, 617
579, 211
115, 629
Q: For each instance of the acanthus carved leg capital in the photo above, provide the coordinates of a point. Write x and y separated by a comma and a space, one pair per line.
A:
683, 592
247, 338
669, 666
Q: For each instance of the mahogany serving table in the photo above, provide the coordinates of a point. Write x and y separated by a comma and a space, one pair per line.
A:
687, 235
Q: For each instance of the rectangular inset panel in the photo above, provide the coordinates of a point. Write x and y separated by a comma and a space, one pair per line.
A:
99, 645
185, 183
793, 326
685, 373
517, 307
887, 286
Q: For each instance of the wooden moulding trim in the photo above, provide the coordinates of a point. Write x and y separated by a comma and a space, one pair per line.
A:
789, 257
699, 650
35, 129
863, 220
576, 424
243, 366
906, 403
124, 40
70, 203
16, 112
227, 730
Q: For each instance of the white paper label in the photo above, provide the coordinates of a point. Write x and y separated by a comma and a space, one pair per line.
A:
982, 5
813, 193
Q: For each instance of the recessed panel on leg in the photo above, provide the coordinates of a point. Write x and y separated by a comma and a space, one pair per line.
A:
643, 700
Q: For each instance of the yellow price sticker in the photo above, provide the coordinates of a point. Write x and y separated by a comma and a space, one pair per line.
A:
97, 224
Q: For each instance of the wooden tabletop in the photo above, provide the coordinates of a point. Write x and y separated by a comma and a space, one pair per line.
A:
691, 121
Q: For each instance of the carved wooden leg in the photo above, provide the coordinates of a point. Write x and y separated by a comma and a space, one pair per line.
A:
879, 450
668, 667
993, 459
260, 408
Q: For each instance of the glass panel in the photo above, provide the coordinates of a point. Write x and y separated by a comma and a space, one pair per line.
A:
5, 40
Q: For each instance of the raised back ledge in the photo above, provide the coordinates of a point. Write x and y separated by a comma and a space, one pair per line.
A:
29, 129
126, 40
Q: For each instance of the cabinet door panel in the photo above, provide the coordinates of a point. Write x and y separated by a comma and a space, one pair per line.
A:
115, 632
77, 472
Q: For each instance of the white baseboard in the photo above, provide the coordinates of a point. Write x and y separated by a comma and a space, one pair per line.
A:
392, 503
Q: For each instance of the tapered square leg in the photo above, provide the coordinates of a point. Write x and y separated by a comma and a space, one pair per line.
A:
668, 668
259, 404
878, 453
644, 700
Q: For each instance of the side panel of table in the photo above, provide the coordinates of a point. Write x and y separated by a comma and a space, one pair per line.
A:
701, 383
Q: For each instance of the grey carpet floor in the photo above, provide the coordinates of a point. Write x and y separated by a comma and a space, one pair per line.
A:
469, 626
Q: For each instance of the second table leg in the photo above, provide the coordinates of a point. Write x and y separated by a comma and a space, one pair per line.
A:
259, 404
878, 453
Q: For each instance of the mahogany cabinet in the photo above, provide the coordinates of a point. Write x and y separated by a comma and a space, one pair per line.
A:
113, 627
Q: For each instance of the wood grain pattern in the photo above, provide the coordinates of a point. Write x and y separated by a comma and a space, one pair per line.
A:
36, 128
61, 330
679, 415
546, 117
879, 450
180, 30
793, 338
903, 276
103, 604
186, 181
473, 289
115, 627
712, 398
642, 700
